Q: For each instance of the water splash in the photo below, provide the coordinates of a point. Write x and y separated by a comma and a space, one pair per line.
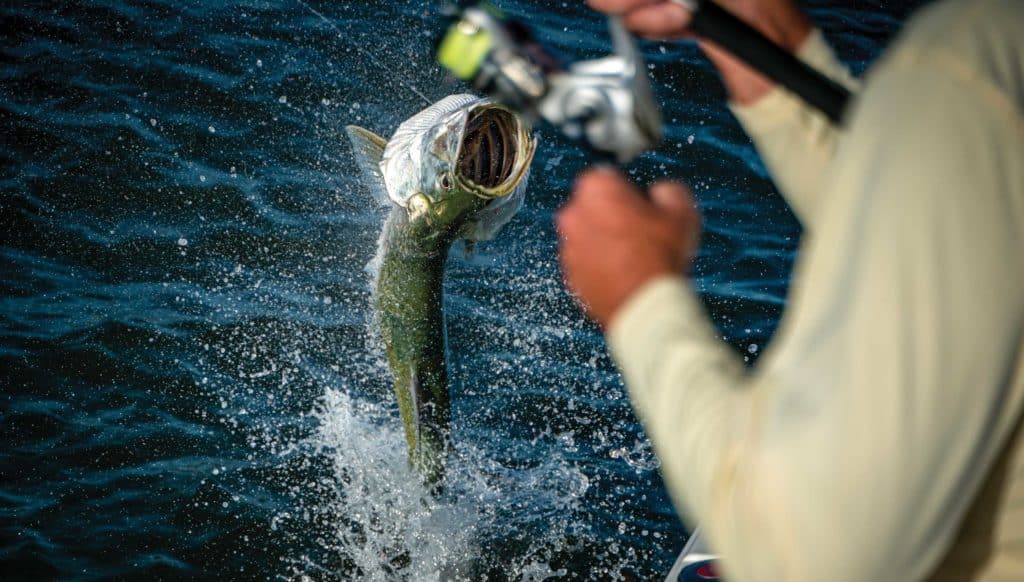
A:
386, 525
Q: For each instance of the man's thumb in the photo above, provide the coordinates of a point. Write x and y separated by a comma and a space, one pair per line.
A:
673, 198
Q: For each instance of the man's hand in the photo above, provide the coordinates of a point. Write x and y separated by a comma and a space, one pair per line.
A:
779, 20
614, 241
655, 19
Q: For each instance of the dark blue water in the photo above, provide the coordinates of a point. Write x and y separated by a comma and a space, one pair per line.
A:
190, 383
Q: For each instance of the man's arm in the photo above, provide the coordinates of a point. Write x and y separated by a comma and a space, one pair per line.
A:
855, 447
796, 141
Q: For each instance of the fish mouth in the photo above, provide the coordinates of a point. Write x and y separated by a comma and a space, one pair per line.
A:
495, 152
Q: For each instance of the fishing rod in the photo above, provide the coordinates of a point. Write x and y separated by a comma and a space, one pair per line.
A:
718, 25
607, 103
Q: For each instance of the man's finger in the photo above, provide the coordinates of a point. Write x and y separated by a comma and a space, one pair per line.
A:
565, 222
673, 198
659, 21
600, 190
619, 6
676, 200
598, 179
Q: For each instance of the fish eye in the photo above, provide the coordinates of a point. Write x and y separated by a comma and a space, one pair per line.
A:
446, 182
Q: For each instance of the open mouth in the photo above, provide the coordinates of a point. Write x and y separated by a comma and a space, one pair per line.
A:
487, 156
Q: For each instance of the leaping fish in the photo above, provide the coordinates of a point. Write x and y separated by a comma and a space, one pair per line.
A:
456, 170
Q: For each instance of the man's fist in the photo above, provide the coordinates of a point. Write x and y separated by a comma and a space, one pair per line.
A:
614, 241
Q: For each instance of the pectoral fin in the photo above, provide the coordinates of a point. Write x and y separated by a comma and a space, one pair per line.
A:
368, 149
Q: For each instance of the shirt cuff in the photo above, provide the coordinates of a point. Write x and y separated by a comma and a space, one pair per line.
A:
779, 106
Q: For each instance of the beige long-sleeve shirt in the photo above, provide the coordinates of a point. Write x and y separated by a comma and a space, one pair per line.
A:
878, 437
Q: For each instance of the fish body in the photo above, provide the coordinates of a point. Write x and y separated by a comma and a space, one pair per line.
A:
455, 171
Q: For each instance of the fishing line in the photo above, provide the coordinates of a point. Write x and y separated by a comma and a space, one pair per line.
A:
366, 53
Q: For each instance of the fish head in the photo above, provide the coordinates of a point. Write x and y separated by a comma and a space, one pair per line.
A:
462, 162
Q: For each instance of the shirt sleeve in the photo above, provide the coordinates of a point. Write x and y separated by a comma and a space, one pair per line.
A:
796, 141
854, 448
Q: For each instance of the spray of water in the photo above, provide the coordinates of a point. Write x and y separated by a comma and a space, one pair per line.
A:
387, 524
366, 53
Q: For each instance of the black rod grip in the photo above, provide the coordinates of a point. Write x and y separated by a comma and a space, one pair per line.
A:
716, 24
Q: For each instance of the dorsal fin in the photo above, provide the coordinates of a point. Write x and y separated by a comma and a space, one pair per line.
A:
368, 149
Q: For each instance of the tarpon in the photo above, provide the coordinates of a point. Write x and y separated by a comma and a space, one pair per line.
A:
456, 170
